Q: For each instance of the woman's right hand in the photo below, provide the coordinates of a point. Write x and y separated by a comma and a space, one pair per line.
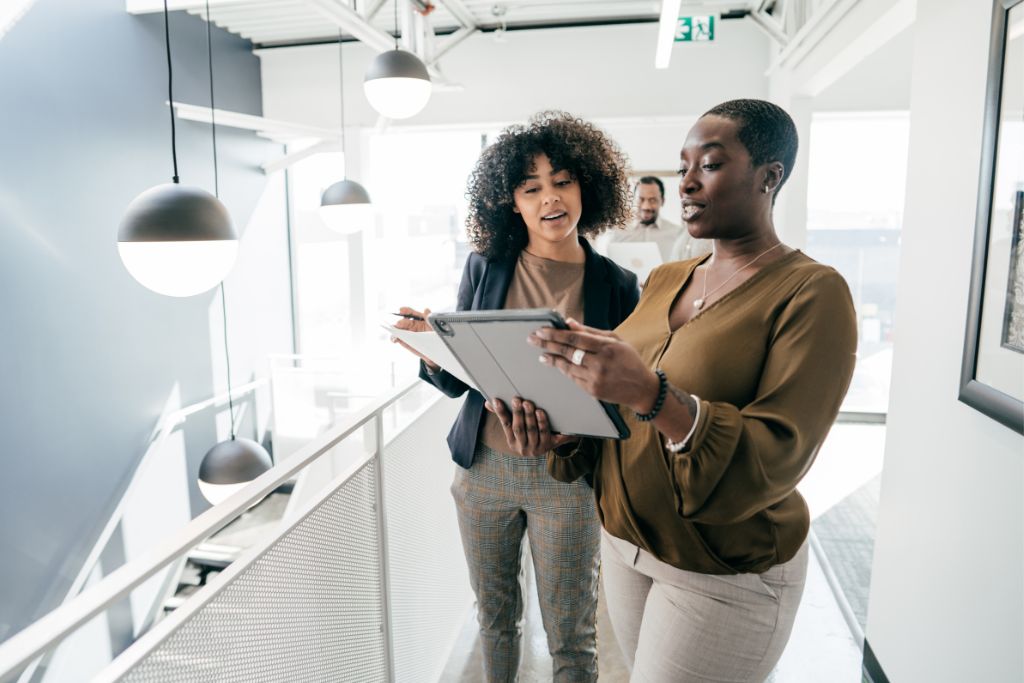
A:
415, 326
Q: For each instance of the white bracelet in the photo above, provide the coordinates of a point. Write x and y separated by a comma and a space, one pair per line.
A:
678, 446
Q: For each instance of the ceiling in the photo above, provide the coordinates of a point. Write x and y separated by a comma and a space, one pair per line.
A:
269, 23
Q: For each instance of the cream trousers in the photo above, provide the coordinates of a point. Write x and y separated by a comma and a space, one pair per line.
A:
677, 626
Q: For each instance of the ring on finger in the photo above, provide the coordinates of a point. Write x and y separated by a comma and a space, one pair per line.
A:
577, 356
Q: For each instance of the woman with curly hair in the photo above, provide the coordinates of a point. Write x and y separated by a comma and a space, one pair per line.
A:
534, 195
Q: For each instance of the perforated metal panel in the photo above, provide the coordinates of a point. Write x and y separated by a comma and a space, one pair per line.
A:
309, 608
428, 580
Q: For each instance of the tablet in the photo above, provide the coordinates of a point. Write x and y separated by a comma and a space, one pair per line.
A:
639, 257
491, 346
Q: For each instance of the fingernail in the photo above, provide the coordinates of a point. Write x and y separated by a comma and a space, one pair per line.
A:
543, 359
533, 340
542, 333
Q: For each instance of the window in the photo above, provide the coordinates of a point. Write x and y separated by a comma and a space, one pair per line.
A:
856, 188
410, 253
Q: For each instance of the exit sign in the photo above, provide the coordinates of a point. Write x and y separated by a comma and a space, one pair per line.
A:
695, 29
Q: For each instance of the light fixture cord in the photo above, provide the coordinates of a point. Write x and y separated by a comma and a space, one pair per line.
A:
213, 110
396, 23
341, 95
227, 357
170, 90
216, 192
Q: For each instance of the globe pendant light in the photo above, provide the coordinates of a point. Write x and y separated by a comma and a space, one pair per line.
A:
397, 83
345, 205
176, 240
231, 464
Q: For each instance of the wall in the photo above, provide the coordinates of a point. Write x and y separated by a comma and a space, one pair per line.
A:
595, 72
88, 358
948, 571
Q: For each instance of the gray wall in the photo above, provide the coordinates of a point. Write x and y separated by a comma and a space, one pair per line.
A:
88, 357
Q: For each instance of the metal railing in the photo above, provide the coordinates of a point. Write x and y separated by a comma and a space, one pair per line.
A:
161, 434
48, 632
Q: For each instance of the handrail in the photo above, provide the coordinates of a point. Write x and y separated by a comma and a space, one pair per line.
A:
163, 429
22, 648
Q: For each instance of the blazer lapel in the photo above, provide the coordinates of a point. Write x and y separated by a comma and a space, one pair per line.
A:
596, 290
497, 278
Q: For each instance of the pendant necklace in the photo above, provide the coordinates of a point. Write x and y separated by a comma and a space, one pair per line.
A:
699, 303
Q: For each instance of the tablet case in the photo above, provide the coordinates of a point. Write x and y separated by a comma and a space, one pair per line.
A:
492, 347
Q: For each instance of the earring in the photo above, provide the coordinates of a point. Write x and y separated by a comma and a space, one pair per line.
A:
765, 188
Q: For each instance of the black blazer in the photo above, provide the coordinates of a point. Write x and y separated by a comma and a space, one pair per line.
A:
610, 294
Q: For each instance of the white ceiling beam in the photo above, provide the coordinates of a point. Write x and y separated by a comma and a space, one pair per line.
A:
810, 34
461, 13
349, 21
886, 27
451, 41
279, 131
372, 7
769, 25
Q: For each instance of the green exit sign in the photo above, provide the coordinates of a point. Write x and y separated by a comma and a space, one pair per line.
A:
695, 29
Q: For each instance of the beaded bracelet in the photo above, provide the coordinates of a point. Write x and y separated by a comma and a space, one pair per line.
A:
659, 402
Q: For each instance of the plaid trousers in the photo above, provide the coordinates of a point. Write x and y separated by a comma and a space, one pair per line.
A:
498, 499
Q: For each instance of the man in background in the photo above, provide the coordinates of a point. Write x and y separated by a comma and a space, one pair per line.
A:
673, 241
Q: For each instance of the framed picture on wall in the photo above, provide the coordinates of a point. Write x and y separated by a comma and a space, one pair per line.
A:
1013, 319
992, 372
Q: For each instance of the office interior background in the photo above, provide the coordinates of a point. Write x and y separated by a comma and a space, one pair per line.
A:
343, 561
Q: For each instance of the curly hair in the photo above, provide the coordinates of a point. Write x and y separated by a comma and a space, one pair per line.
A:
765, 129
592, 158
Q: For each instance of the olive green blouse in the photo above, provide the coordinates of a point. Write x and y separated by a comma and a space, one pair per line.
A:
771, 361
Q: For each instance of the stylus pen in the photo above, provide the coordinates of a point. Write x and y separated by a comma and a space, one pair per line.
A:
408, 316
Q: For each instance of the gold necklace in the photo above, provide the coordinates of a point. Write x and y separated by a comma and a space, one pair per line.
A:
699, 303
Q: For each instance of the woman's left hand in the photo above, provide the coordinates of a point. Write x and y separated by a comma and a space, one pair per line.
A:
527, 428
606, 367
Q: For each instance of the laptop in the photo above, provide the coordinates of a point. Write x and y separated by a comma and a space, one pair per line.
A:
639, 257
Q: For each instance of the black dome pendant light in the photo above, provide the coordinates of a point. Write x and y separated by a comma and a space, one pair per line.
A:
397, 83
345, 204
173, 239
233, 463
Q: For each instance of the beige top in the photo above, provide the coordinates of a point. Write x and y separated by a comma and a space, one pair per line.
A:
538, 283
771, 361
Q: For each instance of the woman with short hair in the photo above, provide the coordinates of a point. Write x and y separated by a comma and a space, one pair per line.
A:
729, 374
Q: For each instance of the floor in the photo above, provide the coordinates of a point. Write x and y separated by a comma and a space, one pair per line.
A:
841, 490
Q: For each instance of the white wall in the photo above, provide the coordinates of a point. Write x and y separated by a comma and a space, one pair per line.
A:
595, 72
947, 593
603, 73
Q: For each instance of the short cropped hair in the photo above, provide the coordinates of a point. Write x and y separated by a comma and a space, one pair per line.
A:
651, 180
572, 144
765, 129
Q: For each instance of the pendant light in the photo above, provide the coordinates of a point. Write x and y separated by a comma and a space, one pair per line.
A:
345, 205
397, 83
176, 240
233, 463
